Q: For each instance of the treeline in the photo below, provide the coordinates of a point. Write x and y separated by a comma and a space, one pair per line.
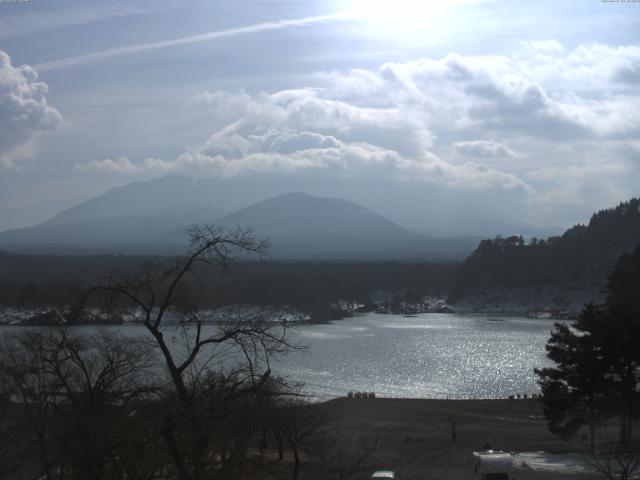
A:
58, 281
304, 284
582, 257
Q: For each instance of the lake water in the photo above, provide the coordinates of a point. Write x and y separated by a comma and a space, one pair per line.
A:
427, 356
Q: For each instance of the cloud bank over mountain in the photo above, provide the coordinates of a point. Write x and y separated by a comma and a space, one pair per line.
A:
433, 122
488, 109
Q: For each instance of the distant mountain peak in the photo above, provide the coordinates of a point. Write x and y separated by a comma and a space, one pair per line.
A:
151, 216
298, 214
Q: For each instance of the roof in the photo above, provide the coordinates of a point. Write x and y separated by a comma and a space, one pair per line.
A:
383, 474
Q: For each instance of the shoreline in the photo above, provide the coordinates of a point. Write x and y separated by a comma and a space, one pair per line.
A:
53, 317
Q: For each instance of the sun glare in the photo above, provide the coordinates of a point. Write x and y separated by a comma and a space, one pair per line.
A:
397, 9
408, 21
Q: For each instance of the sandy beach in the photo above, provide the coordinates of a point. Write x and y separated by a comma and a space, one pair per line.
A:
415, 436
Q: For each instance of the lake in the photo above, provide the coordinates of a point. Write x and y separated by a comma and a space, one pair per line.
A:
428, 356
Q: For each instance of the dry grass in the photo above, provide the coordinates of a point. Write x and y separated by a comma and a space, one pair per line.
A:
415, 438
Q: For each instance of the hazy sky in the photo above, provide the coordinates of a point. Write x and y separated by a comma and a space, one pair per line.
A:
526, 109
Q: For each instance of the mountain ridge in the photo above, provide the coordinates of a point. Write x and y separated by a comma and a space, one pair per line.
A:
176, 194
300, 226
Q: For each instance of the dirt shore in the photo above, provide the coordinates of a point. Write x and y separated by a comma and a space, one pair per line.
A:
415, 436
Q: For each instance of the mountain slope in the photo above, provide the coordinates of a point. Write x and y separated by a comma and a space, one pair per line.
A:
486, 227
299, 214
168, 196
580, 259
159, 233
415, 206
298, 225
303, 226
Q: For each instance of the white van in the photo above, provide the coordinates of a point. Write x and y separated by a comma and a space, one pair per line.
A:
492, 465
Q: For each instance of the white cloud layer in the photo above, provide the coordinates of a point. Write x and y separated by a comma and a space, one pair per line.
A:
24, 111
512, 123
484, 149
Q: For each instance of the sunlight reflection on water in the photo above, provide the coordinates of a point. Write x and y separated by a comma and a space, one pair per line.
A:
427, 356
431, 355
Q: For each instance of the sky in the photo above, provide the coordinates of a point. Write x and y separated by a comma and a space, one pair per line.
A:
525, 110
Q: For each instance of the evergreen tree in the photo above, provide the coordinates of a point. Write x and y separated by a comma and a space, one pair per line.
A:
573, 392
623, 302
597, 360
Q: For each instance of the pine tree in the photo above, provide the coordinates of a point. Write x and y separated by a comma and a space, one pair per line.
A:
597, 361
574, 391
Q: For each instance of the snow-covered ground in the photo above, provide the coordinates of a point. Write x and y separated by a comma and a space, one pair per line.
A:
550, 462
568, 462
232, 313
16, 316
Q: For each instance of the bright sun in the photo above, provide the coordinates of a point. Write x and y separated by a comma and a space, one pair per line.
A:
410, 21
397, 9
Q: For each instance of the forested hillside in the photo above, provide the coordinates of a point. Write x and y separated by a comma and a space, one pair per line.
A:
58, 281
581, 258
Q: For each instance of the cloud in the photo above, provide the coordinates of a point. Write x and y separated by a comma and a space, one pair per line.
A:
540, 91
24, 111
121, 166
287, 152
602, 181
510, 123
545, 47
310, 110
484, 149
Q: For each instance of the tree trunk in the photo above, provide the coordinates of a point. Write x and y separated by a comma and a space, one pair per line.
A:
174, 451
592, 424
279, 442
623, 428
45, 457
296, 461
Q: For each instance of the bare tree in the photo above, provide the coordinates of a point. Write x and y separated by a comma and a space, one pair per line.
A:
34, 394
72, 397
96, 406
612, 458
343, 458
300, 420
9, 457
219, 374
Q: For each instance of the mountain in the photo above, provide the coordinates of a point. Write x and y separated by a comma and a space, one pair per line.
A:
151, 216
422, 209
163, 197
299, 226
580, 260
137, 233
302, 215
491, 227
303, 226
